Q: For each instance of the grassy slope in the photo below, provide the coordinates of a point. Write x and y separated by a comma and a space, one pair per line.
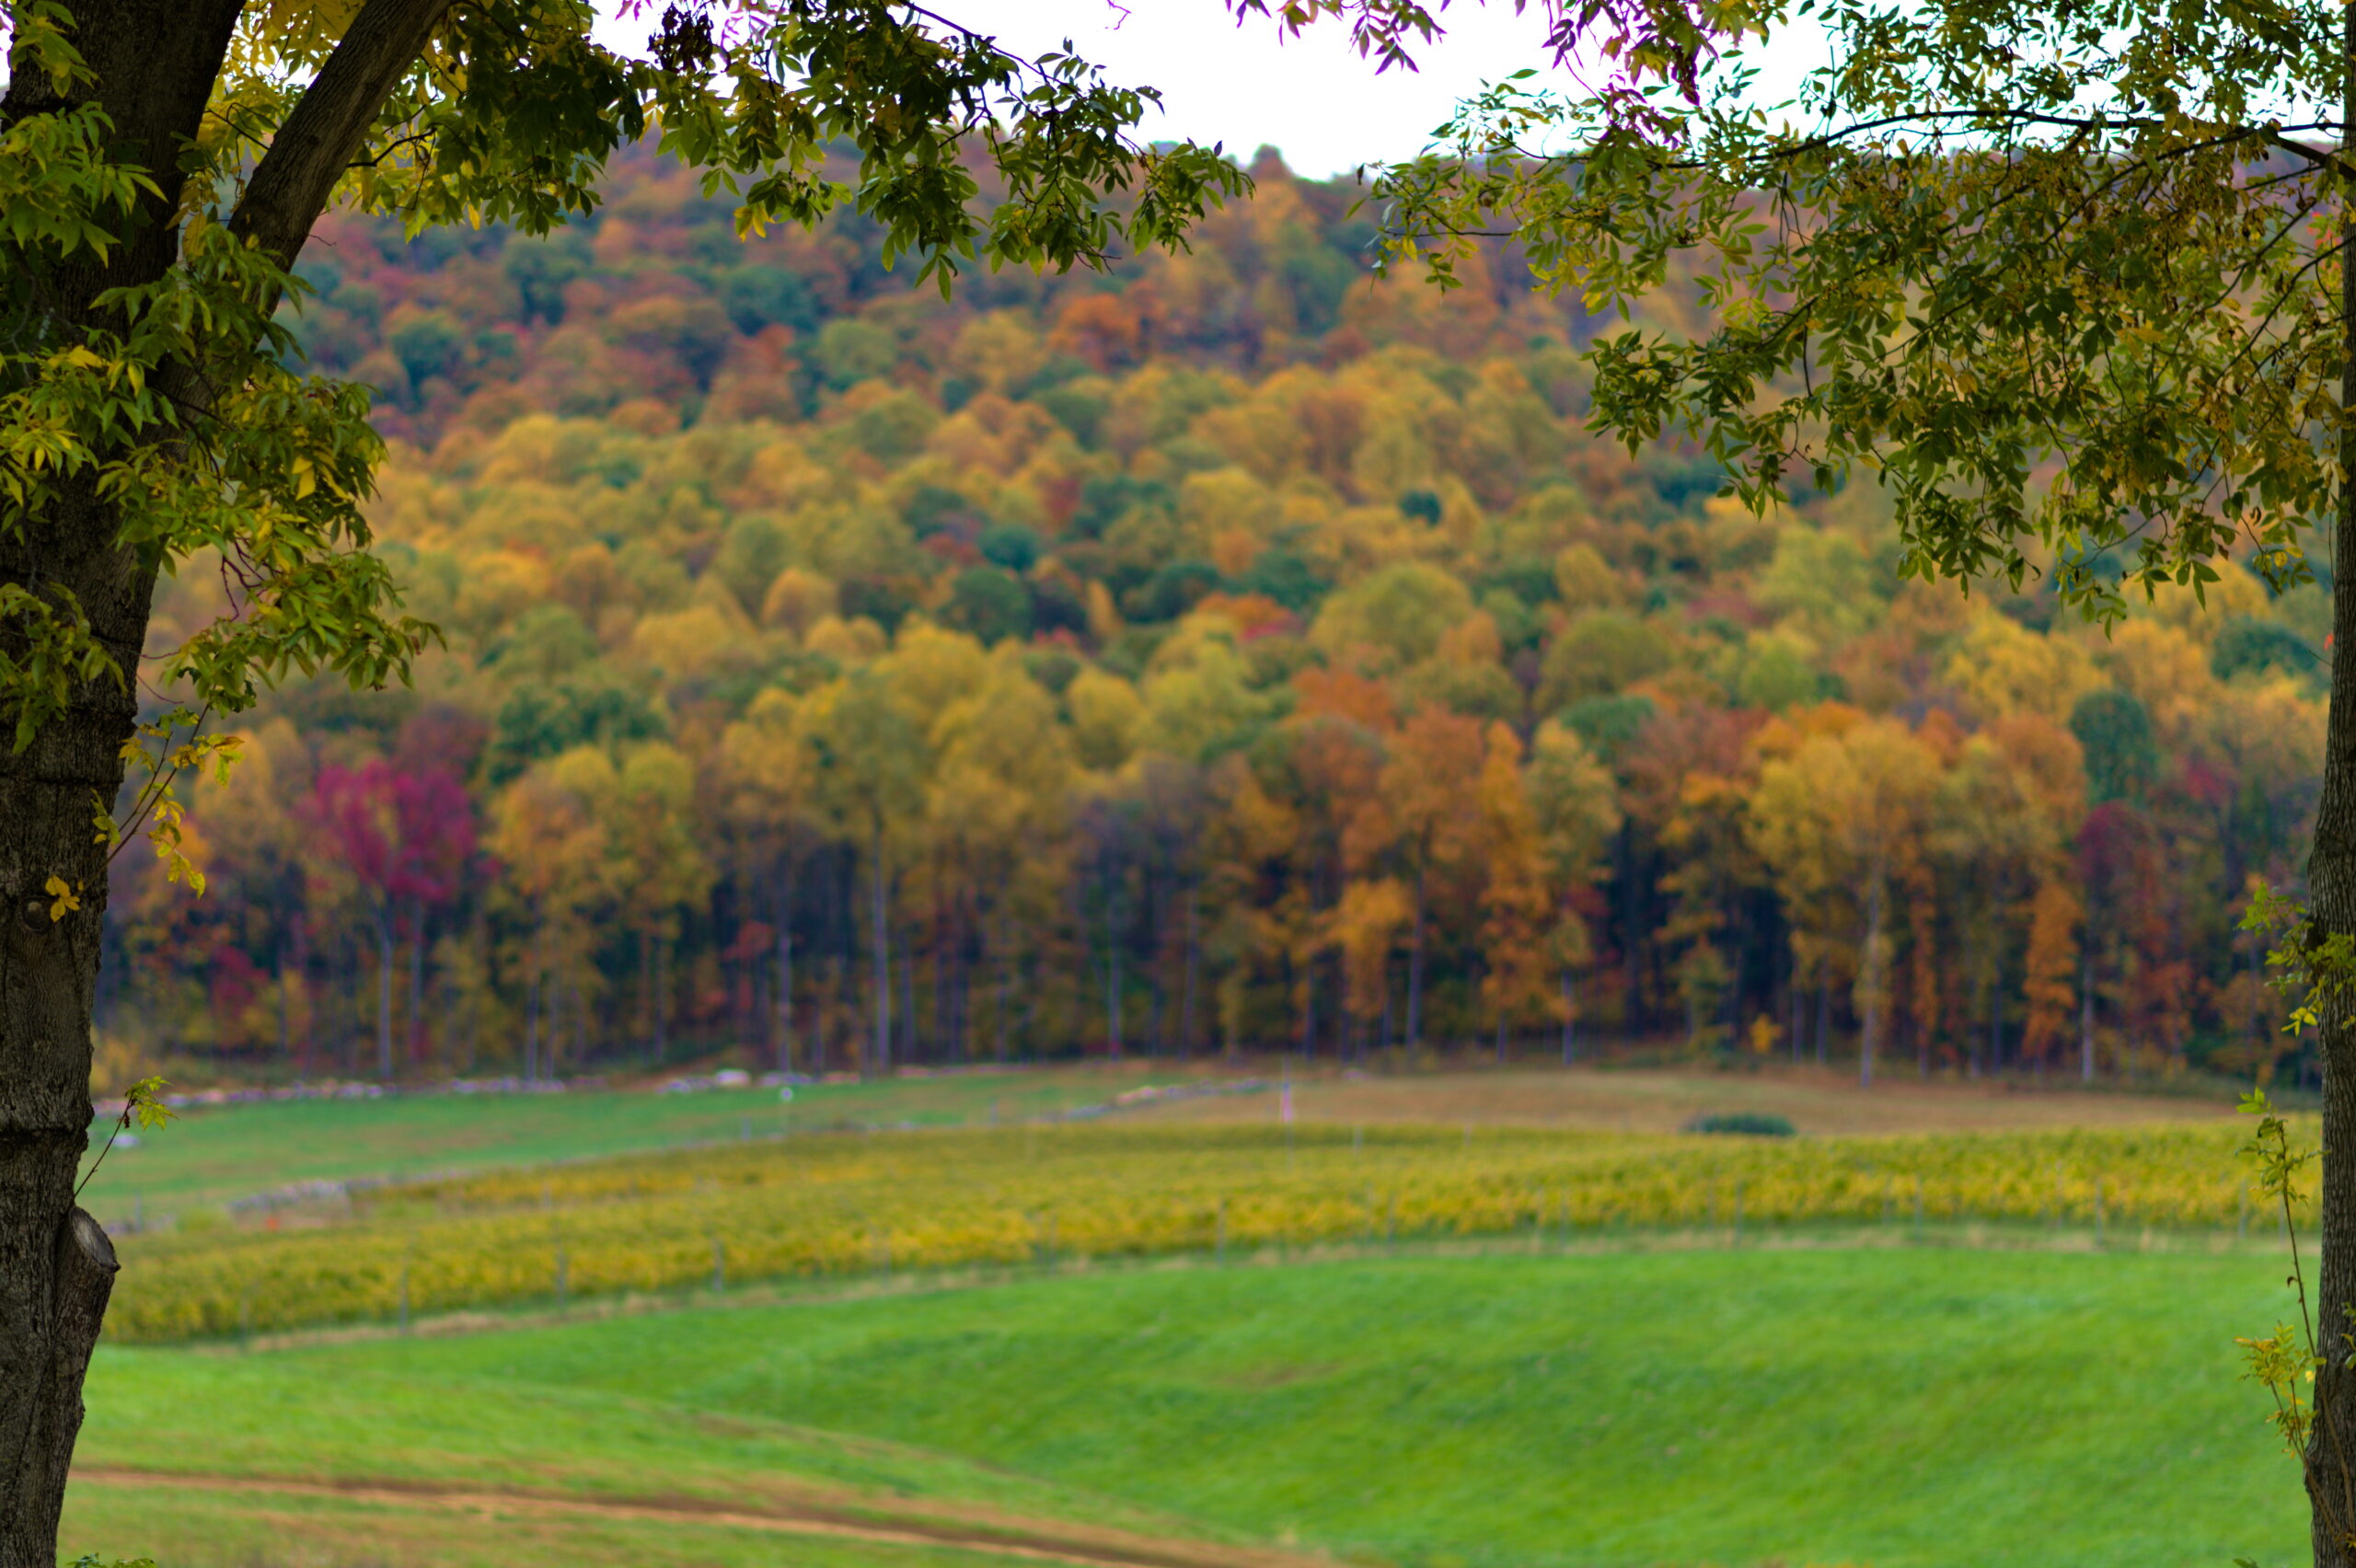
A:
390, 1417
1894, 1408
211, 1154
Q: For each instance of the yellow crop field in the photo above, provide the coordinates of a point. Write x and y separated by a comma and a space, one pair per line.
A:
830, 1205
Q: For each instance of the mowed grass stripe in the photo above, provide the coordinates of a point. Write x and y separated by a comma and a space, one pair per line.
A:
1906, 1409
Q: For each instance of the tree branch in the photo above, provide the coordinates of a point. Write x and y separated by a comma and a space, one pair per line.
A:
313, 148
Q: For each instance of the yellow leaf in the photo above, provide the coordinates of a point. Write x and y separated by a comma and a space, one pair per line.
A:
63, 900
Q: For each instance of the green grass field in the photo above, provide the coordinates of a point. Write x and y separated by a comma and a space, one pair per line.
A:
211, 1154
1897, 1406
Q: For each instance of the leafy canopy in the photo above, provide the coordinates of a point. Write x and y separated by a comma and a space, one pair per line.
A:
2067, 274
172, 406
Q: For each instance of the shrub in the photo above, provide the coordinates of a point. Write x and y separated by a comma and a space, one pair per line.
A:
1749, 1124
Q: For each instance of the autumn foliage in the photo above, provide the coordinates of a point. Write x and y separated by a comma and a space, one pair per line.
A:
1234, 653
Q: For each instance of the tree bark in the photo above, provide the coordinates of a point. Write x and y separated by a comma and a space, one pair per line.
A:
1112, 964
66, 1294
2331, 874
662, 1000
1570, 1019
880, 1054
784, 989
1416, 965
417, 984
384, 993
1193, 972
2086, 1017
1874, 980
532, 1007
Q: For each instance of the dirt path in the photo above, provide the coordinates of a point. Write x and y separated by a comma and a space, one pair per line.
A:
1011, 1538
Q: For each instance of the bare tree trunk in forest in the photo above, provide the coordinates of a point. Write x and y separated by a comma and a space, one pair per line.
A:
285, 1011
1390, 1035
1570, 1017
1823, 1013
646, 991
1155, 992
2086, 1017
1873, 979
476, 992
1415, 964
1005, 956
1791, 1004
552, 1026
1193, 959
384, 993
662, 995
911, 1048
532, 1027
1308, 1042
958, 1021
1343, 1023
878, 1056
1996, 1015
785, 980
1112, 970
298, 932
416, 981
2331, 873
940, 982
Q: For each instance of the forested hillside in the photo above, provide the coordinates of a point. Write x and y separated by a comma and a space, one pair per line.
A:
1231, 652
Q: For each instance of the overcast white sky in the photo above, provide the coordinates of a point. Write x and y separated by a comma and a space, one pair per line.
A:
1312, 99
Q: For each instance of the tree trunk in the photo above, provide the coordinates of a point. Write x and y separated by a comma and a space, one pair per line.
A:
662, 995
1112, 968
784, 995
1570, 1017
299, 934
60, 1292
2332, 872
532, 1027
1996, 1016
56, 1266
416, 982
2086, 1017
879, 1056
383, 993
286, 1015
646, 991
910, 1046
1193, 957
1415, 965
152, 66
1872, 987
1002, 951
1792, 1003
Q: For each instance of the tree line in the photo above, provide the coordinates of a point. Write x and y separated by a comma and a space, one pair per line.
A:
1241, 654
